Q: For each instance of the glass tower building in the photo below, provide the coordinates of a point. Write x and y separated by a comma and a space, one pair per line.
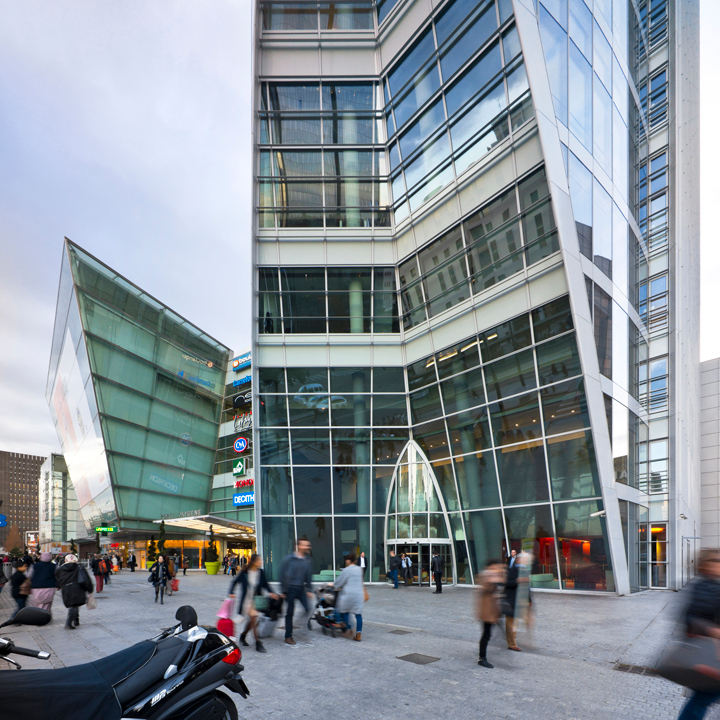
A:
136, 394
476, 250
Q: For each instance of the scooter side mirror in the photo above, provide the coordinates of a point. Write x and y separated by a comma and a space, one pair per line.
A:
187, 617
30, 616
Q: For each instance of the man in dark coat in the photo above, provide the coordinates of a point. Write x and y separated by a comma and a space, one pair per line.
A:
394, 568
296, 583
362, 563
132, 562
74, 583
437, 566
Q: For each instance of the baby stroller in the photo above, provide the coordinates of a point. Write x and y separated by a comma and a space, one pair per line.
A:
324, 613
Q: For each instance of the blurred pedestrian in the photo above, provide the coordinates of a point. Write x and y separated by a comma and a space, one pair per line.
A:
296, 583
108, 568
172, 571
97, 564
225, 564
159, 577
352, 596
186, 565
233, 565
20, 586
407, 574
362, 563
702, 617
43, 582
488, 603
74, 583
252, 581
511, 558
394, 568
438, 566
132, 562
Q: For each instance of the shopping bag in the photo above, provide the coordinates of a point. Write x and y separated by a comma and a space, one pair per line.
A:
226, 609
91, 601
226, 626
175, 584
693, 662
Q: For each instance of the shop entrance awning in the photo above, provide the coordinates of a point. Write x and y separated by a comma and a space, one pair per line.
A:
221, 526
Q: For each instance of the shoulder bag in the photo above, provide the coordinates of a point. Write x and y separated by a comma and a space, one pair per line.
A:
91, 601
693, 662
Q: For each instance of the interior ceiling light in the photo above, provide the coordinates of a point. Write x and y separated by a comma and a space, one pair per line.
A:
492, 337
467, 347
450, 355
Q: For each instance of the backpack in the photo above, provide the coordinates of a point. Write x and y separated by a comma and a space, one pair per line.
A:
102, 567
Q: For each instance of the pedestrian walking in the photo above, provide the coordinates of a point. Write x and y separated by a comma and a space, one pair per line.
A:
74, 583
20, 586
43, 582
437, 566
243, 561
407, 572
488, 603
186, 565
172, 571
516, 597
394, 568
225, 564
108, 568
296, 583
115, 566
702, 617
159, 577
132, 562
120, 561
352, 596
233, 565
362, 563
511, 558
252, 581
97, 564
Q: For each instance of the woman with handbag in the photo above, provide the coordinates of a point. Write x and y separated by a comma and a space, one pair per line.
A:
20, 586
352, 596
252, 582
43, 582
159, 577
74, 583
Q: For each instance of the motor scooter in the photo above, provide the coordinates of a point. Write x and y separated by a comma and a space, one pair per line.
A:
176, 675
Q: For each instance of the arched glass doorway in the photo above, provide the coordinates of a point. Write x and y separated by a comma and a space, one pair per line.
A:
416, 521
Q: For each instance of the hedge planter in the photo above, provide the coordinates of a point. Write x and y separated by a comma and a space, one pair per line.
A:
212, 567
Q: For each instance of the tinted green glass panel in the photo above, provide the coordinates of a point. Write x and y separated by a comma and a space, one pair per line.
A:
522, 473
565, 407
276, 489
558, 359
485, 537
425, 404
463, 391
552, 319
516, 419
573, 470
312, 490
468, 430
506, 338
510, 376
530, 529
477, 481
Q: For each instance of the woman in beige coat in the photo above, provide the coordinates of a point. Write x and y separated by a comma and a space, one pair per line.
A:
488, 603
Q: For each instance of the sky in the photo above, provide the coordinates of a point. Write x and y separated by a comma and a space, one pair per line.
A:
125, 126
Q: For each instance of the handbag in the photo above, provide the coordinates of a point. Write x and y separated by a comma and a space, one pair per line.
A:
366, 596
693, 662
25, 587
91, 601
260, 602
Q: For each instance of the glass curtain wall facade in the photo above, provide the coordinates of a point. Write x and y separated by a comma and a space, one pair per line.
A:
136, 393
59, 517
521, 394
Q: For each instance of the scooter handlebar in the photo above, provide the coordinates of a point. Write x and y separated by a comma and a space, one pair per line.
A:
28, 652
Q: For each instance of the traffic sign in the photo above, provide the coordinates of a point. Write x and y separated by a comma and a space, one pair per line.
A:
239, 466
3, 521
241, 444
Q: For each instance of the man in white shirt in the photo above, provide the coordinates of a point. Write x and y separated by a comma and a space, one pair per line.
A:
362, 563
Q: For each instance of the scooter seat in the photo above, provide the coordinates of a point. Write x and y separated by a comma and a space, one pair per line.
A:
127, 688
78, 692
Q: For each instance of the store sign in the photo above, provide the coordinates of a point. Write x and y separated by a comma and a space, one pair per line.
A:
199, 361
242, 381
239, 467
247, 482
186, 439
242, 361
244, 499
243, 422
106, 528
3, 520
241, 444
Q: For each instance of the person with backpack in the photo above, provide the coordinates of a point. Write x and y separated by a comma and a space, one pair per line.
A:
74, 583
99, 571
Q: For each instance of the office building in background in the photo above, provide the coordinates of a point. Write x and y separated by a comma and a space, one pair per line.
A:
476, 251
19, 474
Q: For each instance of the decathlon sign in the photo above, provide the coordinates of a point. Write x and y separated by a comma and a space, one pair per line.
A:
244, 499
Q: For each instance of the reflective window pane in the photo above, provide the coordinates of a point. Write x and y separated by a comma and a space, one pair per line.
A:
516, 419
565, 407
573, 469
558, 360
477, 482
530, 529
510, 376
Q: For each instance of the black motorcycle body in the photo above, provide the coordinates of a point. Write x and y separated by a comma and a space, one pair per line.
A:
174, 676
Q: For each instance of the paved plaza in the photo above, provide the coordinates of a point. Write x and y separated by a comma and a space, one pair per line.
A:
574, 664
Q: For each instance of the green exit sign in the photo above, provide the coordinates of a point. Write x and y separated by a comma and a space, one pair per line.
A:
239, 466
109, 528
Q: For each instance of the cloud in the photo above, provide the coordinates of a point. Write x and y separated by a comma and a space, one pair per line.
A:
125, 127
